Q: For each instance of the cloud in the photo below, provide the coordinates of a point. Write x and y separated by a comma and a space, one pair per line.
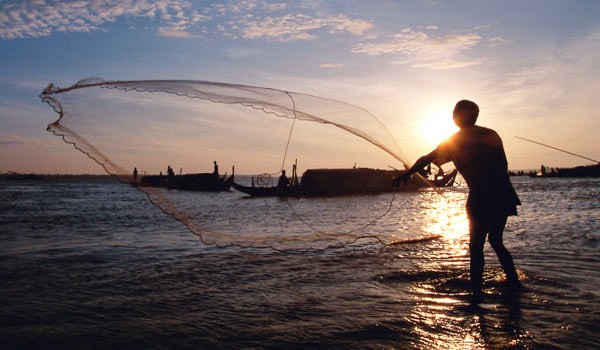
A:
498, 41
420, 50
557, 79
31, 19
175, 33
292, 27
251, 19
332, 65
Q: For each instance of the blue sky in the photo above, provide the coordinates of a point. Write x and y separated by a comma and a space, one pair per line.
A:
532, 66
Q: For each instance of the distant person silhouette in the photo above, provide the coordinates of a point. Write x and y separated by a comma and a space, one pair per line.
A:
283, 181
478, 154
215, 168
135, 175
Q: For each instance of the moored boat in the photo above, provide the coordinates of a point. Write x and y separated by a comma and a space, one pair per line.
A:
354, 181
269, 191
202, 182
339, 182
445, 180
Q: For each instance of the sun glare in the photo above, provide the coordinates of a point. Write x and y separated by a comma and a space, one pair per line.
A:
436, 125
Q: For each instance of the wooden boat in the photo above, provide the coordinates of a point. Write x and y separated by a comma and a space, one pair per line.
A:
270, 191
445, 180
152, 181
339, 182
205, 182
579, 171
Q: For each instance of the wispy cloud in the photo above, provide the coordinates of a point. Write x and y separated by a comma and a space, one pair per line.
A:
332, 65
250, 19
418, 49
175, 33
292, 27
498, 41
38, 18
556, 79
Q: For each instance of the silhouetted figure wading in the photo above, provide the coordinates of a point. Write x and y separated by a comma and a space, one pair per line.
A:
478, 154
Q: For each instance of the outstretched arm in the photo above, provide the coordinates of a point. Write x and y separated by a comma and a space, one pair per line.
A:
419, 164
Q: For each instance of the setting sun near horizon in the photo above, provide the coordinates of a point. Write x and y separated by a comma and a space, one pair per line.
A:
435, 125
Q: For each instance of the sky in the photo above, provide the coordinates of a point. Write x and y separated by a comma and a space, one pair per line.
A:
531, 66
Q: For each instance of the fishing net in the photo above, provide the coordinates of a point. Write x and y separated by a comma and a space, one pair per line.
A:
170, 129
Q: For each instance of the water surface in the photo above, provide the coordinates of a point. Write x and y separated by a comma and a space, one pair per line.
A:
92, 264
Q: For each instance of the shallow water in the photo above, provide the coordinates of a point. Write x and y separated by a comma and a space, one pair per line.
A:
93, 264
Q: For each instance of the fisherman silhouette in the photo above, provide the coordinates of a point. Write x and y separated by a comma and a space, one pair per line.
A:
479, 156
215, 168
283, 181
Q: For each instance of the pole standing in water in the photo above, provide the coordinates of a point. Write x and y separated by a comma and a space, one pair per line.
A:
478, 154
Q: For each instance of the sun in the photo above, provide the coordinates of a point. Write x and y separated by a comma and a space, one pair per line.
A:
436, 125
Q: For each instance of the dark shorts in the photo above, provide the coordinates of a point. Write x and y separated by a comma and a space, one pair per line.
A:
492, 204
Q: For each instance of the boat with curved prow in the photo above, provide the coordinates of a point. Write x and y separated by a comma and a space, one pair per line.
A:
341, 182
445, 180
200, 182
270, 191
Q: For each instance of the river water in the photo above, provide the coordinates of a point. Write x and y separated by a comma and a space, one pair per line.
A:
92, 264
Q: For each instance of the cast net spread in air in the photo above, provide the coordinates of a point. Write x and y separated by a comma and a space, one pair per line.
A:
187, 125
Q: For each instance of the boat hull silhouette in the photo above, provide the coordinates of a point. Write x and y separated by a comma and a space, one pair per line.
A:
340, 182
202, 182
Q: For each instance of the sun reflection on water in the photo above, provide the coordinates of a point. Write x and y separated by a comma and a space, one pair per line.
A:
445, 216
444, 316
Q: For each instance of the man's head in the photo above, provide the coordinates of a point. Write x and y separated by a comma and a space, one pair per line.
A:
465, 113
